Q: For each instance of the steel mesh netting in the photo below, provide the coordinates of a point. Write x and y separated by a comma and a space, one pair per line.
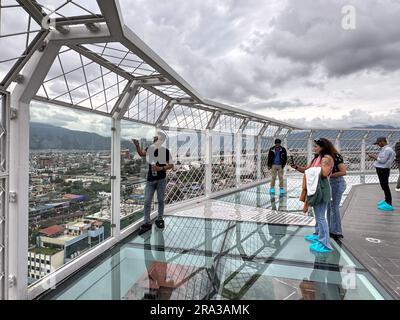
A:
120, 56
228, 124
17, 32
187, 180
146, 107
248, 161
223, 166
76, 80
266, 144
186, 117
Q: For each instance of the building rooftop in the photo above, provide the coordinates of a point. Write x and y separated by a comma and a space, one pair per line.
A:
53, 230
45, 251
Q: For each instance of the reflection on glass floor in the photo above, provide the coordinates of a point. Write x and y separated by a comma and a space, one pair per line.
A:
194, 259
260, 197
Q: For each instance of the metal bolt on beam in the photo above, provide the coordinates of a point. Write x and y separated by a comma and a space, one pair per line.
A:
13, 197
93, 27
19, 79
13, 113
12, 280
42, 46
62, 29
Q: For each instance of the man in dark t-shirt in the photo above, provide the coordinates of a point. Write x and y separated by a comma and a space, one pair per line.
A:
159, 160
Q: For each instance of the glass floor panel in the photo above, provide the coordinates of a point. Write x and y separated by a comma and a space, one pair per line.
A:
194, 259
260, 197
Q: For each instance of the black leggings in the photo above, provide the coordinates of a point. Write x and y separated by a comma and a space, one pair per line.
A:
383, 175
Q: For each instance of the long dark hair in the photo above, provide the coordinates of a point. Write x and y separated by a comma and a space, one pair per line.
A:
327, 148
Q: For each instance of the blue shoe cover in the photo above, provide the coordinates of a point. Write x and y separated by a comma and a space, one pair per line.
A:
385, 207
272, 190
311, 237
319, 247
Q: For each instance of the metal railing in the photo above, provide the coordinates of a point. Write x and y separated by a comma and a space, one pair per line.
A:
4, 119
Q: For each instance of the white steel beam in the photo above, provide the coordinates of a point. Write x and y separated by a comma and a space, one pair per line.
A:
125, 101
33, 74
214, 119
116, 176
263, 129
120, 110
81, 35
244, 113
155, 82
164, 114
243, 125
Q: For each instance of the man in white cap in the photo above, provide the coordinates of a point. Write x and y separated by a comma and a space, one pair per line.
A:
159, 160
383, 163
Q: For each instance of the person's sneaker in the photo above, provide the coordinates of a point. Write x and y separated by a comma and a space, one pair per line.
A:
311, 237
381, 202
385, 207
397, 189
160, 223
319, 247
144, 228
272, 190
282, 191
336, 236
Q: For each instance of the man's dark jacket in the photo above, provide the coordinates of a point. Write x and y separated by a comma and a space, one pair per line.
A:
271, 157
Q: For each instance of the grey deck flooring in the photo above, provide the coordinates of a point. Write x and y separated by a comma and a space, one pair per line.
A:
362, 220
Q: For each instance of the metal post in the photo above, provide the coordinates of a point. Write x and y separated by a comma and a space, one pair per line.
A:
116, 177
259, 169
310, 148
238, 155
363, 157
118, 113
286, 169
208, 163
4, 157
337, 141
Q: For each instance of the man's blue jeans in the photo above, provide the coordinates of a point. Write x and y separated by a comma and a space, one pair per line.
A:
338, 187
321, 224
151, 187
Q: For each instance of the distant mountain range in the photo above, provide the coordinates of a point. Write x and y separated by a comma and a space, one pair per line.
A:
378, 126
49, 137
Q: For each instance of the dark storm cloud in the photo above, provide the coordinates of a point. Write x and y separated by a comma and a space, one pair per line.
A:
310, 32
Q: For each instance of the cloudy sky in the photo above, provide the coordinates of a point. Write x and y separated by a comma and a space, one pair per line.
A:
287, 59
